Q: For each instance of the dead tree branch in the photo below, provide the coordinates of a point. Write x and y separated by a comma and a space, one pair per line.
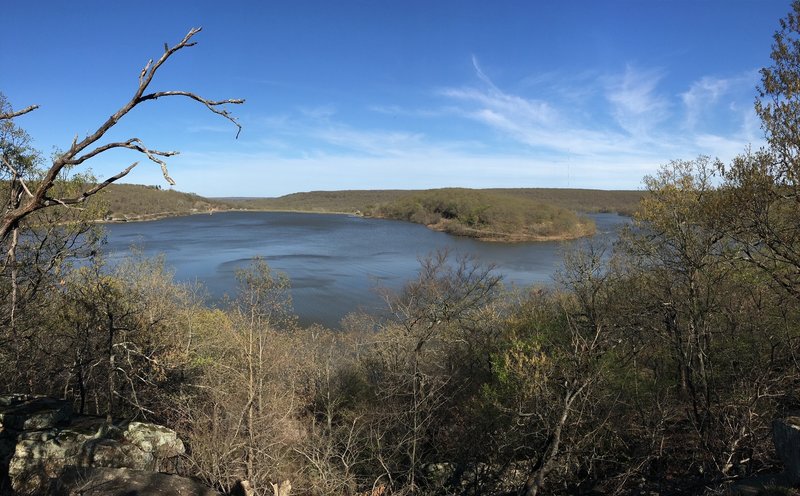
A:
11, 115
86, 194
77, 152
16, 176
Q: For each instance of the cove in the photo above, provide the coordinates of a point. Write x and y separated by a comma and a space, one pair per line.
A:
336, 263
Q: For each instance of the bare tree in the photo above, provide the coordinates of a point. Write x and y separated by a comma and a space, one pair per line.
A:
38, 195
418, 365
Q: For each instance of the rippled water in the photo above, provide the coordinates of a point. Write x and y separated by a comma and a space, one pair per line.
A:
335, 262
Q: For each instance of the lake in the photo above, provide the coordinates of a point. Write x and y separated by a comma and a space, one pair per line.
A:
335, 262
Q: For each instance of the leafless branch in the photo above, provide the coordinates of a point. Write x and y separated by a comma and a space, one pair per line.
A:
18, 176
132, 144
210, 104
77, 154
11, 115
86, 194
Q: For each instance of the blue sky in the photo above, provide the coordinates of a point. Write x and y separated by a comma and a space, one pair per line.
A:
398, 94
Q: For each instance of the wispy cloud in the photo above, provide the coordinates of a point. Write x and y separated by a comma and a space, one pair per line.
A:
538, 124
397, 110
590, 130
496, 102
701, 95
636, 105
317, 131
639, 119
377, 143
713, 99
322, 112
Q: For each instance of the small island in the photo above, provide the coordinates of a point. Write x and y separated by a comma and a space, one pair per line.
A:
486, 216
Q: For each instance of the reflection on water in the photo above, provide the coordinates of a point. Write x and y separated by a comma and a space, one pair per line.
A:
335, 262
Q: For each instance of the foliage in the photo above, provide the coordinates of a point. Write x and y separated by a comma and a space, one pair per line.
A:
351, 201
486, 215
108, 338
696, 347
39, 248
138, 202
763, 187
778, 105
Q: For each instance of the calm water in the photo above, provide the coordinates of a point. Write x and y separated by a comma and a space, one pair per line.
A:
335, 262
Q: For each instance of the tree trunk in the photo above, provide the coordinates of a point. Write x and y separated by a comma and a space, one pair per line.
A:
112, 364
535, 481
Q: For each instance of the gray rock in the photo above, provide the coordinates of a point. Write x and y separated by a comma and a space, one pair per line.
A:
41, 444
754, 486
42, 456
25, 412
19, 412
437, 474
163, 443
786, 436
125, 482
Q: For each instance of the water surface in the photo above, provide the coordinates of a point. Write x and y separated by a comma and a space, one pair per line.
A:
335, 262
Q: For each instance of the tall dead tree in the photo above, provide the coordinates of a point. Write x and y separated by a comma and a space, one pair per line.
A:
37, 196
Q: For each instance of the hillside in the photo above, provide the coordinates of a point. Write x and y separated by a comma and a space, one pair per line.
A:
624, 202
511, 214
138, 202
579, 200
345, 201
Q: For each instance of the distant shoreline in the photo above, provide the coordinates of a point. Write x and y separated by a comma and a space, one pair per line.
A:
168, 215
490, 215
477, 234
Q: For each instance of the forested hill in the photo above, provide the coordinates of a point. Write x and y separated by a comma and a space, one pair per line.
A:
578, 200
123, 202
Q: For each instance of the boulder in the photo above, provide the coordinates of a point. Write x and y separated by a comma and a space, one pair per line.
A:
40, 442
786, 437
20, 412
101, 481
162, 442
26, 412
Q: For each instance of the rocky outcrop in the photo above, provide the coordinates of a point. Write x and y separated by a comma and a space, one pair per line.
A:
126, 482
786, 436
30, 413
43, 447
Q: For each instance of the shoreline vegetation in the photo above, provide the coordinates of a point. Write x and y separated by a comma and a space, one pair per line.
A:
499, 215
486, 216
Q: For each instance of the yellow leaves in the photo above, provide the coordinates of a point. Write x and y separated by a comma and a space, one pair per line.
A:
524, 366
209, 321
685, 211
